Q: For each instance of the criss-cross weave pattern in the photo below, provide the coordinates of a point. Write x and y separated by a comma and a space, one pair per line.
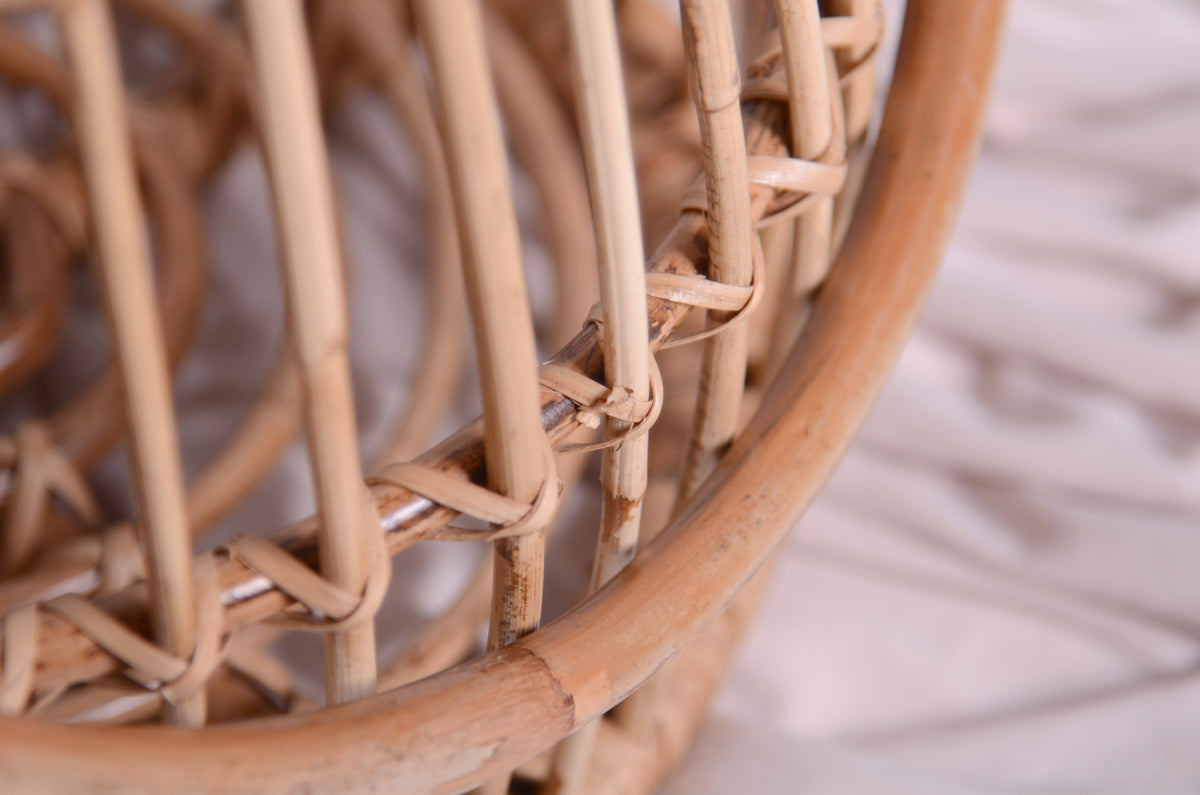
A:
259, 81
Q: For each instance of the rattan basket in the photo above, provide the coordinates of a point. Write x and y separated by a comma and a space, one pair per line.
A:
805, 244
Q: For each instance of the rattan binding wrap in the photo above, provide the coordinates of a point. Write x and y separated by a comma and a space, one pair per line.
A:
803, 294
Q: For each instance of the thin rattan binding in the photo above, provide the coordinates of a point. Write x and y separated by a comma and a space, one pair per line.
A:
325, 607
407, 515
41, 473
595, 401
273, 420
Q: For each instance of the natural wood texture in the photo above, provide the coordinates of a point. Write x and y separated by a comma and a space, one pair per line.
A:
510, 704
517, 454
373, 37
811, 116
716, 85
199, 136
859, 91
628, 764
604, 123
409, 517
518, 458
366, 36
676, 256
87, 427
84, 429
857, 64
714, 75
546, 147
90, 41
804, 59
605, 126
232, 473
316, 303
442, 358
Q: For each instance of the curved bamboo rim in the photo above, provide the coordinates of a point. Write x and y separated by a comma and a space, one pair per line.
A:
460, 727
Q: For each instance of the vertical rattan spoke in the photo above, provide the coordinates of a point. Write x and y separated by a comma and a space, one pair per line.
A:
604, 125
517, 452
381, 30
715, 79
804, 59
545, 144
136, 329
859, 92
317, 319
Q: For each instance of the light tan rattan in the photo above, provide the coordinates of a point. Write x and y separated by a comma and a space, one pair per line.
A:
693, 485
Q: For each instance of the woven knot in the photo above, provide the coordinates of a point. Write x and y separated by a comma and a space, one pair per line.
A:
837, 33
324, 606
803, 181
174, 678
595, 400
704, 293
797, 178
505, 516
798, 182
39, 471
